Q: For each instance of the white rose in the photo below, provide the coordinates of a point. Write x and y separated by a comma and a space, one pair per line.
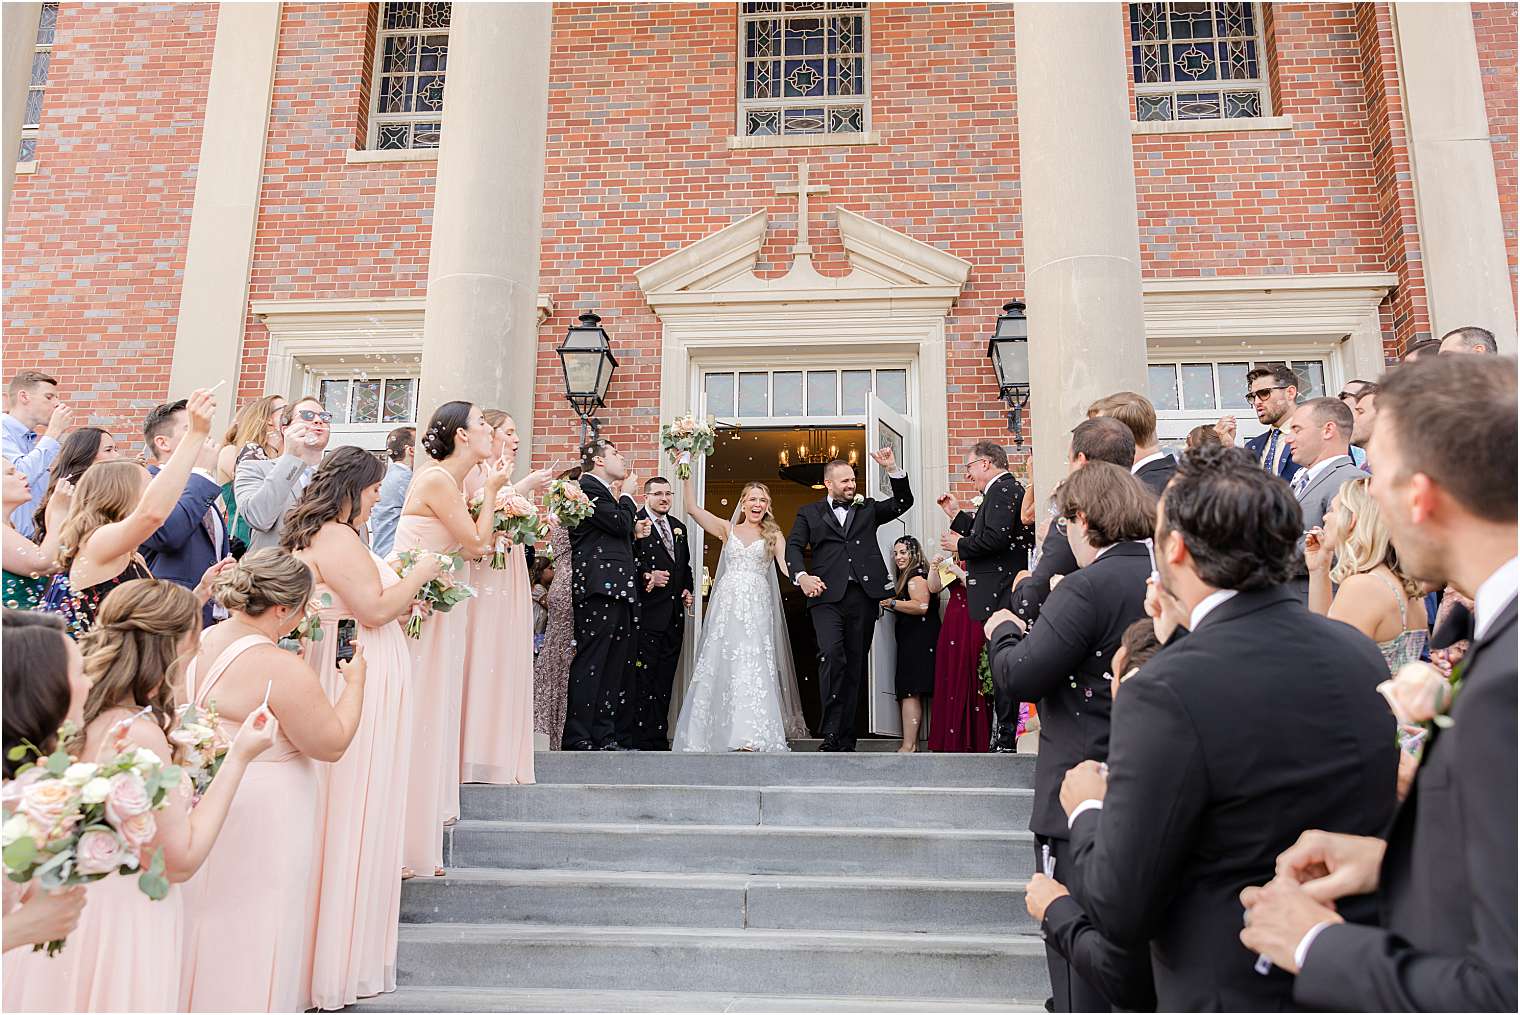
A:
859, 500
15, 827
95, 791
976, 501
79, 773
143, 756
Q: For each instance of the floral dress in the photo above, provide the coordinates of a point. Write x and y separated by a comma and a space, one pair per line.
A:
551, 668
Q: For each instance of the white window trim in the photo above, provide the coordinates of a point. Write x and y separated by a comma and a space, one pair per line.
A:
376, 60
33, 131
804, 365
1262, 84
743, 105
364, 156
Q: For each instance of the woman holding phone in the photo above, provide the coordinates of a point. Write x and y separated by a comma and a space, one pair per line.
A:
359, 814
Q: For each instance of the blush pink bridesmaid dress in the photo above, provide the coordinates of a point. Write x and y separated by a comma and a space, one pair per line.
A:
437, 666
361, 799
249, 909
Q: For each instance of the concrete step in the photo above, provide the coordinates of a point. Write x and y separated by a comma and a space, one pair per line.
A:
622, 899
644, 768
716, 960
869, 806
739, 849
873, 745
525, 999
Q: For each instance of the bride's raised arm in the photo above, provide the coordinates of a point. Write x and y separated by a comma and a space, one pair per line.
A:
711, 523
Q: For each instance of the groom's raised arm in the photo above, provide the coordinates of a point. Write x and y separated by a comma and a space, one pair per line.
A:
797, 544
895, 505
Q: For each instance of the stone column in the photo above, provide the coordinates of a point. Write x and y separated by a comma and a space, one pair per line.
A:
18, 29
1456, 192
480, 328
213, 299
1081, 232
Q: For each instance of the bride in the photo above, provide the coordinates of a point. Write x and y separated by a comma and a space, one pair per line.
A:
743, 691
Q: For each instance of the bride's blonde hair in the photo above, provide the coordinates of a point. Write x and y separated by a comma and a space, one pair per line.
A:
769, 530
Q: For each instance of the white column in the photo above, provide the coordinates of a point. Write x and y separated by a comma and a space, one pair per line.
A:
1081, 231
213, 300
480, 329
1456, 193
18, 29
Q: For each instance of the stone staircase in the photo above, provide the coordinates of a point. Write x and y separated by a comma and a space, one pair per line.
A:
736, 882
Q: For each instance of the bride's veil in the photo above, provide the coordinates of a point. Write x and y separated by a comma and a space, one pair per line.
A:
791, 698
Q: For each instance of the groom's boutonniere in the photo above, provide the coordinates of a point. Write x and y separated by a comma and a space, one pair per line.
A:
976, 501
859, 500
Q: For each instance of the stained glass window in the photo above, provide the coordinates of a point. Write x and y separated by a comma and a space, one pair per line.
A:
1197, 61
802, 68
411, 57
366, 406
42, 57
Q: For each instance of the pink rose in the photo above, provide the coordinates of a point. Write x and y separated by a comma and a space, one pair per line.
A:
49, 802
128, 797
138, 830
99, 852
10, 792
1417, 693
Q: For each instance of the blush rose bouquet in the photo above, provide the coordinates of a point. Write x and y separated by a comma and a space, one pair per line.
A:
439, 595
516, 521
567, 503
685, 437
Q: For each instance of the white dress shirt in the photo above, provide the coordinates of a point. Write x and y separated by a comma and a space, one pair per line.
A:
1148, 459
1494, 595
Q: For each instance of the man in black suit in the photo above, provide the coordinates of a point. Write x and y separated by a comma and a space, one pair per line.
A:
1099, 439
664, 558
1153, 467
847, 581
1443, 473
1207, 788
995, 545
605, 597
1062, 661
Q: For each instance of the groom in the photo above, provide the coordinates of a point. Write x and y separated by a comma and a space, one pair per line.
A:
848, 580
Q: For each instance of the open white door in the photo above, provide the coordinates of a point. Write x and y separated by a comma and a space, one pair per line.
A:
887, 428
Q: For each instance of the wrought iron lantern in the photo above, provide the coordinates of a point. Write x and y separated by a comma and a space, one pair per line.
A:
588, 363
1008, 348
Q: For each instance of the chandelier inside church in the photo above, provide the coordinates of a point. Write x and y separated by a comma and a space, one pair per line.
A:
804, 461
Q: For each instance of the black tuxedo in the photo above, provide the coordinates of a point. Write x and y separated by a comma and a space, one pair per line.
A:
662, 628
848, 560
1028, 596
1227, 745
1121, 975
605, 595
1062, 663
1155, 475
1446, 892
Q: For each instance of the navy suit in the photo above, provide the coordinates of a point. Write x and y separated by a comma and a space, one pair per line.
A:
1287, 468
182, 548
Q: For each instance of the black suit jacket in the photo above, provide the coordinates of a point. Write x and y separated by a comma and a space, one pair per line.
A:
994, 545
1123, 975
1062, 663
1447, 888
1226, 746
602, 546
659, 606
839, 553
1155, 475
1028, 596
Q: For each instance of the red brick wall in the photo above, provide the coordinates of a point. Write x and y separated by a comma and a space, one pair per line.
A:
1497, 27
95, 241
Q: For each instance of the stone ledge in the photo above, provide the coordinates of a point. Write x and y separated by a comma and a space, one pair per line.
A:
1212, 126
805, 141
26, 168
356, 156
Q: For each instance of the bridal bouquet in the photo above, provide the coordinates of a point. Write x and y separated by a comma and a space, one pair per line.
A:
685, 437
516, 522
567, 503
199, 745
68, 822
441, 594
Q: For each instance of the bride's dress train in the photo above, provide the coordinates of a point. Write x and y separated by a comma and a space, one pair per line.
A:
735, 700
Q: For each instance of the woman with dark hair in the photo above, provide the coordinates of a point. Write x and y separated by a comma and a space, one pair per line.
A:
125, 954
26, 566
364, 793
551, 670
81, 449
435, 518
917, 631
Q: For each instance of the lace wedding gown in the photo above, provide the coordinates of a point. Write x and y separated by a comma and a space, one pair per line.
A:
743, 693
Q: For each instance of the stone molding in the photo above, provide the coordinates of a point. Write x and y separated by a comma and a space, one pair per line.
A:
1211, 126
805, 141
363, 156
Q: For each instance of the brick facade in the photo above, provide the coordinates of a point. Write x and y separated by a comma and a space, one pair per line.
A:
638, 165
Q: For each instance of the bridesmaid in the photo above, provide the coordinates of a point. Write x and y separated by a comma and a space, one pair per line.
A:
362, 795
496, 733
435, 517
551, 670
126, 954
961, 721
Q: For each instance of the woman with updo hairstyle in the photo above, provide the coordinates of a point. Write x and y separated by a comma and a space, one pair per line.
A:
436, 518
125, 954
248, 913
363, 795
496, 723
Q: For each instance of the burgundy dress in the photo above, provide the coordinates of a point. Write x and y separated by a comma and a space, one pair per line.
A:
961, 720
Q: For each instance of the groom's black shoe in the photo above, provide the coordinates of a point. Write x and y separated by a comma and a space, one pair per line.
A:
583, 745
609, 746
829, 745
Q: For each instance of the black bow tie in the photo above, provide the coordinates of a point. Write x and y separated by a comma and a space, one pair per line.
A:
841, 504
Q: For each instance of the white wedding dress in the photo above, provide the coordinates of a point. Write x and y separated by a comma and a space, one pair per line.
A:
743, 690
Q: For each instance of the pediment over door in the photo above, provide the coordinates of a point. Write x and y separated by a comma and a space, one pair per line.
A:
886, 266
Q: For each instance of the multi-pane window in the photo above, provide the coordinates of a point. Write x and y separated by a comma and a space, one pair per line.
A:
1198, 61
802, 68
42, 56
784, 393
411, 56
366, 407
1189, 392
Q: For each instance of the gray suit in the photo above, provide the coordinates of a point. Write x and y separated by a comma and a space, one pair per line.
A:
265, 490
1314, 500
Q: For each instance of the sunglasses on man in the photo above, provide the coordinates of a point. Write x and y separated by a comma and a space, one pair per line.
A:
312, 414
1262, 394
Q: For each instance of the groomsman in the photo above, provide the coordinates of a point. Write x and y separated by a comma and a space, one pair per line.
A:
995, 546
664, 560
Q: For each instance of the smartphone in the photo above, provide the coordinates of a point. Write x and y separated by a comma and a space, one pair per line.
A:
348, 635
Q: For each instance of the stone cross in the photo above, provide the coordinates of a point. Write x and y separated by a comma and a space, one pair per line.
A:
802, 190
